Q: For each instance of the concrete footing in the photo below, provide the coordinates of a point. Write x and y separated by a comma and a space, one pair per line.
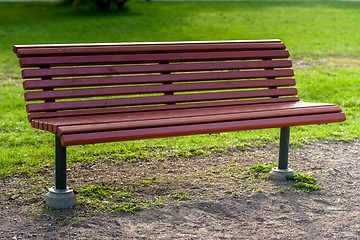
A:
60, 199
281, 174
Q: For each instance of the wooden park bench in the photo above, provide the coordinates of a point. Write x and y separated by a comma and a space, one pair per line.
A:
97, 93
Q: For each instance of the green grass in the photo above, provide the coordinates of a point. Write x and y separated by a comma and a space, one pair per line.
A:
262, 168
305, 182
310, 29
231, 170
110, 199
302, 181
321, 31
180, 196
146, 182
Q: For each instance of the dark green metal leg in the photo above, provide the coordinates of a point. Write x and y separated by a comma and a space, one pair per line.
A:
282, 172
60, 196
60, 165
284, 148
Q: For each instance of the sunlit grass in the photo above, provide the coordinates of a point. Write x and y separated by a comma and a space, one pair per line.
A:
322, 33
309, 28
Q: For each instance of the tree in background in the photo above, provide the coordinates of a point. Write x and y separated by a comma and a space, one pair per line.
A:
100, 5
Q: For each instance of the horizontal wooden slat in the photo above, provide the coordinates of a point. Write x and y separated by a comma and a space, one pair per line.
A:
150, 79
187, 120
97, 92
168, 99
149, 58
153, 68
112, 136
37, 47
78, 113
167, 111
176, 120
51, 124
65, 51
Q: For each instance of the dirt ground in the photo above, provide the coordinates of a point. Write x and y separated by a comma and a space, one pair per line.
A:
220, 202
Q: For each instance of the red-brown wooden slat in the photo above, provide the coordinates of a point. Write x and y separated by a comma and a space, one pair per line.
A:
41, 125
65, 51
53, 123
100, 137
16, 47
78, 113
152, 68
185, 45
149, 58
177, 121
35, 124
113, 91
168, 99
150, 79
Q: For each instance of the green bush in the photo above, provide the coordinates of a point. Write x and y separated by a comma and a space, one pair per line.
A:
99, 5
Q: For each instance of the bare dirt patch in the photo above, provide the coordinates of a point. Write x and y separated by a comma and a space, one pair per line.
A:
223, 201
332, 62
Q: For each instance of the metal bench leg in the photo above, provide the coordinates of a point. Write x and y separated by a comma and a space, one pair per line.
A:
60, 196
282, 171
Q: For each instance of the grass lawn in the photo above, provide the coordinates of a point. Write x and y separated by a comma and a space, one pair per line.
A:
322, 33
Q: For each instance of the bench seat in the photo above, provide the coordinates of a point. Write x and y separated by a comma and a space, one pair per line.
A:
157, 123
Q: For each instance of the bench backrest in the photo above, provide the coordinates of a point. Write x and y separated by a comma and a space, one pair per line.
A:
78, 79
